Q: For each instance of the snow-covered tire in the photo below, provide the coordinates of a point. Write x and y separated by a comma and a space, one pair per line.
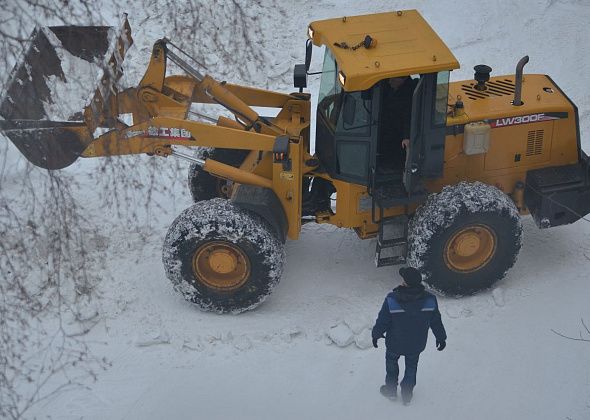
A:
222, 258
464, 238
203, 185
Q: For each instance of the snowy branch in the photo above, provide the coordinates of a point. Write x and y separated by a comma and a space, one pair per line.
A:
50, 273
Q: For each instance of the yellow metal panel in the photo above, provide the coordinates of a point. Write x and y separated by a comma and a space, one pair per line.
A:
180, 85
235, 174
564, 142
287, 185
540, 96
259, 163
353, 208
406, 44
137, 139
156, 71
294, 117
492, 106
251, 96
512, 147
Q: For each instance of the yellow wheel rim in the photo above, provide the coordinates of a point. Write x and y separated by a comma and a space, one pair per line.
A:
470, 248
221, 265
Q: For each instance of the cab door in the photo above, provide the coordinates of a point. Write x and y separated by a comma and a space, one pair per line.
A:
355, 148
425, 159
412, 168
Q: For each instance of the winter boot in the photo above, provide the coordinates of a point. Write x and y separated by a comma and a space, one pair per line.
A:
389, 391
407, 396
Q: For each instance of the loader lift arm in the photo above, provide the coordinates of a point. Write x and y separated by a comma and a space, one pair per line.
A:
160, 106
55, 144
154, 92
163, 104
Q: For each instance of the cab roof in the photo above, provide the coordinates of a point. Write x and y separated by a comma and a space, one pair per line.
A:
406, 44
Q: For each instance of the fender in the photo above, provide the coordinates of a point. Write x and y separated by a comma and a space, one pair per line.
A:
265, 203
558, 195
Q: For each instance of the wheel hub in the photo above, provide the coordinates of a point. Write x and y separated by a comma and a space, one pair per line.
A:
467, 244
221, 265
221, 261
470, 248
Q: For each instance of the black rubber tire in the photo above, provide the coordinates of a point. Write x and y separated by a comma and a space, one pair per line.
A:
203, 185
444, 214
220, 220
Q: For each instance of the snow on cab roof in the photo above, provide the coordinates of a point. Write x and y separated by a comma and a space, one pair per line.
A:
406, 44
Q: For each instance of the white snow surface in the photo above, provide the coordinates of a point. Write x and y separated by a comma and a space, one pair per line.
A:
171, 360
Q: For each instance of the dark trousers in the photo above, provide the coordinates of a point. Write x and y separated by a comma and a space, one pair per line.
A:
392, 371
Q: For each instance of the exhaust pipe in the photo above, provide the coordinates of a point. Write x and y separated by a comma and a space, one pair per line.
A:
518, 82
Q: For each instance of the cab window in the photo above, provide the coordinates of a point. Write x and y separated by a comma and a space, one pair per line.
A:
442, 99
355, 115
330, 95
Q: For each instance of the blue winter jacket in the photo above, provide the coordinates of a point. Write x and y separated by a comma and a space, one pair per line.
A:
404, 319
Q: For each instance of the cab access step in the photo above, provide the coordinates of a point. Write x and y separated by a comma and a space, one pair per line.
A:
392, 241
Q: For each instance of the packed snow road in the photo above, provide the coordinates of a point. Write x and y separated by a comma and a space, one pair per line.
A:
502, 361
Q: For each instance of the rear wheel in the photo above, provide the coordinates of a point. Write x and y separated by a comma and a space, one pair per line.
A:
203, 185
465, 238
221, 257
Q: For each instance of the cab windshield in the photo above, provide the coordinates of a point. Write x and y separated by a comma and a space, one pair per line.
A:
330, 96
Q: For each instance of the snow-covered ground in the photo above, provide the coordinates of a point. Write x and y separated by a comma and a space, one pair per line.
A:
502, 361
170, 360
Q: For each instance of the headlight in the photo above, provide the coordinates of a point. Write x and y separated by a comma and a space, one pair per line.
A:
310, 32
341, 78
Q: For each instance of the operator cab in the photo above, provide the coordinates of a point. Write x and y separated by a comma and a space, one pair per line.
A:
362, 120
359, 133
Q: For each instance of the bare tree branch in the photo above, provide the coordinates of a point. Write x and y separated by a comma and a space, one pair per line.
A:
47, 268
581, 338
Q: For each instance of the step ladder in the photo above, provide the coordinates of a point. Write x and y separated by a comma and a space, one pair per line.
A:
392, 242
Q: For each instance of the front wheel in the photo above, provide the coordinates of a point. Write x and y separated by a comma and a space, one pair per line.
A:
222, 258
465, 238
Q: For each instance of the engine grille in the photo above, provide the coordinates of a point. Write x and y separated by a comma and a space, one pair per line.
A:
534, 143
503, 87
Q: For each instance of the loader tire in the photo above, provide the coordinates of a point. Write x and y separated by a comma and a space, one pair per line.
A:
465, 238
222, 258
203, 185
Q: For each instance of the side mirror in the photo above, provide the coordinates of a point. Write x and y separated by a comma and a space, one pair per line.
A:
300, 76
349, 111
308, 51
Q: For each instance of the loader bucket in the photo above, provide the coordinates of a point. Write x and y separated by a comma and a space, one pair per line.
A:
48, 144
62, 72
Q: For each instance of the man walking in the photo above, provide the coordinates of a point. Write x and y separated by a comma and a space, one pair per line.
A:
405, 317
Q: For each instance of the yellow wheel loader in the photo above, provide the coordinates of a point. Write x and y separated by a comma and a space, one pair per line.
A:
440, 177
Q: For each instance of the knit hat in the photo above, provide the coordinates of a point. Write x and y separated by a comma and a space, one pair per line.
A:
411, 276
